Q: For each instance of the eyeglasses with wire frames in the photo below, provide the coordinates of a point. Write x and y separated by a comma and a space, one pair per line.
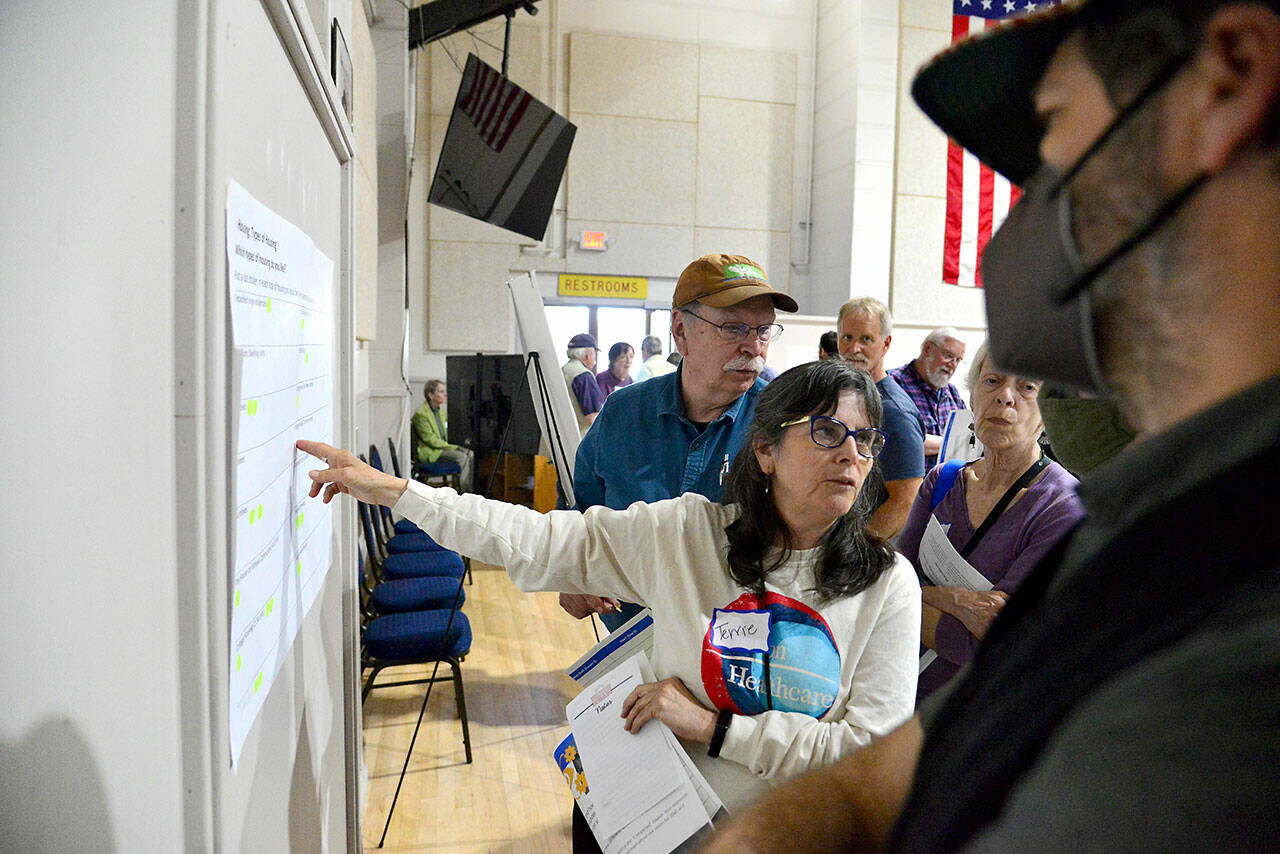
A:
736, 330
828, 432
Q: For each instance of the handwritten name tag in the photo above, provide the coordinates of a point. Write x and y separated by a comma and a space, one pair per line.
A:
740, 631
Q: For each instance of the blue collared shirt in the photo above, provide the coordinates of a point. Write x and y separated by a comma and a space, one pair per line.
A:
643, 448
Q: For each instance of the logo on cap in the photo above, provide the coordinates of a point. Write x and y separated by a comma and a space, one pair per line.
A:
743, 271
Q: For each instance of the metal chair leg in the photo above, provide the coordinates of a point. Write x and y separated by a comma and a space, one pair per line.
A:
462, 706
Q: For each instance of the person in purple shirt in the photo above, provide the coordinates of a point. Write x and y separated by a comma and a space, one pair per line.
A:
584, 392
927, 380
618, 373
1000, 513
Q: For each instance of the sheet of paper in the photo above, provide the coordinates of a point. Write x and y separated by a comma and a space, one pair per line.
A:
942, 564
644, 800
711, 803
280, 288
633, 636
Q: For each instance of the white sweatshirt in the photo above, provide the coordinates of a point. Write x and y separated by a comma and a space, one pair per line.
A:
847, 670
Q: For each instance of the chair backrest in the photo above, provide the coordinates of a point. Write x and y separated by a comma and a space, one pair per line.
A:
375, 459
395, 459
370, 541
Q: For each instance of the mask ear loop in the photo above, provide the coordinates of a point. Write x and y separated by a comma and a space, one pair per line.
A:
1162, 214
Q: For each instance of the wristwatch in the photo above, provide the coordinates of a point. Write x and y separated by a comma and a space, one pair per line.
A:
717, 737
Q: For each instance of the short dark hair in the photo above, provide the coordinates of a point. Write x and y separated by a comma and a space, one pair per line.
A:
618, 349
829, 342
852, 558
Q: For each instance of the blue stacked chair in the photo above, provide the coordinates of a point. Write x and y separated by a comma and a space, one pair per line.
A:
399, 595
421, 564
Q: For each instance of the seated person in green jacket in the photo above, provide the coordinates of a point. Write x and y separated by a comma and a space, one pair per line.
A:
430, 427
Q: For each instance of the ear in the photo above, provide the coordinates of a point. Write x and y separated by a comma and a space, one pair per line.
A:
764, 457
888, 339
1240, 63
678, 333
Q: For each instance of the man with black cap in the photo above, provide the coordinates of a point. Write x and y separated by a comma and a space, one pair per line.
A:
677, 433
579, 373
1127, 698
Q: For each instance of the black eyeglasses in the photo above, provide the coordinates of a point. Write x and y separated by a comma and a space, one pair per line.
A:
828, 432
736, 330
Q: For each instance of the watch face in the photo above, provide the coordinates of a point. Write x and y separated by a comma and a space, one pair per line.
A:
803, 663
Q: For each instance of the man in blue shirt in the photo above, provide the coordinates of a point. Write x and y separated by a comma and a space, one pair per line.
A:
866, 329
678, 433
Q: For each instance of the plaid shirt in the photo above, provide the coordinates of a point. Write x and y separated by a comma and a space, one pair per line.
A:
935, 405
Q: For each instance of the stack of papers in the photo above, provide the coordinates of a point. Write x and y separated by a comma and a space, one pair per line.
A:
640, 792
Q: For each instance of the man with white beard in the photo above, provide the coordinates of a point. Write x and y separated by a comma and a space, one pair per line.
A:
927, 380
678, 433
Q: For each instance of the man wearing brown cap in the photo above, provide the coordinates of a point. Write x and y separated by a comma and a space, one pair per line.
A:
677, 433
1127, 698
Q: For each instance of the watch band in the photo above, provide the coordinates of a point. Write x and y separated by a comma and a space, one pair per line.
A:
717, 737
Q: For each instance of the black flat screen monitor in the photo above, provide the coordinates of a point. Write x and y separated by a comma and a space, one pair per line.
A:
503, 155
482, 399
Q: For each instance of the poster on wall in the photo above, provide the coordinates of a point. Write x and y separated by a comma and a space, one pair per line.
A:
280, 288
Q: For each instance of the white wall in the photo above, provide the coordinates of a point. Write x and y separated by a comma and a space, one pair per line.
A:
920, 198
90, 751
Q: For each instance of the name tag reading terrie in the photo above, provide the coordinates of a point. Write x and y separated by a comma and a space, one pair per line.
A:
740, 631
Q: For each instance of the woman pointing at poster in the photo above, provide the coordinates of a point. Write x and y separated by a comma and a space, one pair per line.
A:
785, 635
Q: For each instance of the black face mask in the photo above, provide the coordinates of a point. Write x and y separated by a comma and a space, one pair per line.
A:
1036, 281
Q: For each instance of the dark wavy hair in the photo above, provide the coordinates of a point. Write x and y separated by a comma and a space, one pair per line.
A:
852, 558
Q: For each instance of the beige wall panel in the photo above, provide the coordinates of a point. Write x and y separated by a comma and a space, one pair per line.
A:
930, 14
727, 72
918, 291
643, 78
634, 249
633, 170
525, 68
468, 304
772, 249
922, 148
365, 254
745, 154
364, 102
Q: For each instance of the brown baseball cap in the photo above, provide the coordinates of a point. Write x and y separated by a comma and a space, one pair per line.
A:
724, 280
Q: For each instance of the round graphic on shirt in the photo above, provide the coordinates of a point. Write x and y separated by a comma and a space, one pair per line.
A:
799, 673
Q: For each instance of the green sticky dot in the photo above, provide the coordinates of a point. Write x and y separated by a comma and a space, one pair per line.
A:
297, 400
299, 523
299, 567
307, 358
238, 663
237, 598
268, 304
260, 511
257, 682
303, 323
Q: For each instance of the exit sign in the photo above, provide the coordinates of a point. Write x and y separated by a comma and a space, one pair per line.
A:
593, 240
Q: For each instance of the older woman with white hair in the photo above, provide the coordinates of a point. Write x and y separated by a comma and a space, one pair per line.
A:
998, 514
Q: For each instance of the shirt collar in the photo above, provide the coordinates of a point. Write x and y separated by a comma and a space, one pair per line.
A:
672, 401
1165, 466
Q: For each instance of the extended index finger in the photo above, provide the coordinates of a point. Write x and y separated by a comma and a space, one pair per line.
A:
319, 450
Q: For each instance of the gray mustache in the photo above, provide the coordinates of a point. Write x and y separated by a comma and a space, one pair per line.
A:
745, 363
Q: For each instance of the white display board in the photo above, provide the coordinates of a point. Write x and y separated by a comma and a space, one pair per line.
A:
280, 288
562, 436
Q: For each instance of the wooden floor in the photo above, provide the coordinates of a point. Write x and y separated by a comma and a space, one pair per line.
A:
512, 797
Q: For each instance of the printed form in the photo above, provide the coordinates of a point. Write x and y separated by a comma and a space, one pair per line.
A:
646, 796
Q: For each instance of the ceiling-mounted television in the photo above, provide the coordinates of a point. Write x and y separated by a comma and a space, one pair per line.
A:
503, 155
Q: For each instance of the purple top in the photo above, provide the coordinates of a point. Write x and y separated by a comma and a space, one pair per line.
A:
1015, 543
608, 382
588, 392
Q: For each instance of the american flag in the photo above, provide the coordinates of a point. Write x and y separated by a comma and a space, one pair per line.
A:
492, 102
978, 199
